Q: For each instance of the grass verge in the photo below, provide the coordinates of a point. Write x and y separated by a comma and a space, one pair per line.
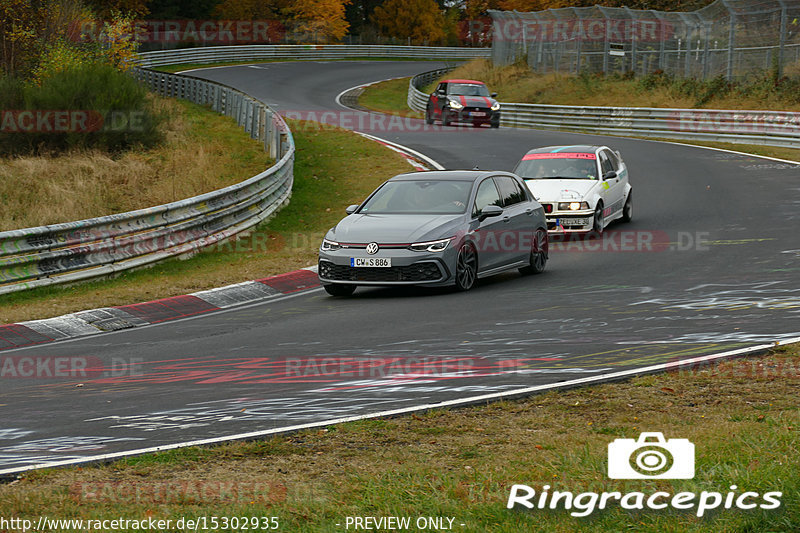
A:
333, 169
742, 416
389, 97
202, 151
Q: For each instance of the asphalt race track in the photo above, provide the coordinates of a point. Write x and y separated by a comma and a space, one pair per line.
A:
710, 263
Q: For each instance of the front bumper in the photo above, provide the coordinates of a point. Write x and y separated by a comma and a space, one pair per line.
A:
482, 115
560, 222
408, 267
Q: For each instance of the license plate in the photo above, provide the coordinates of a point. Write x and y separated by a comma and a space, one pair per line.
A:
381, 262
572, 221
477, 114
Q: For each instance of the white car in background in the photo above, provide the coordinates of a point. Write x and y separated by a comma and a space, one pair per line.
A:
582, 188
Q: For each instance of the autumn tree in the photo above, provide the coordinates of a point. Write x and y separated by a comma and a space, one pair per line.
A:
106, 9
250, 9
476, 8
20, 25
320, 20
420, 21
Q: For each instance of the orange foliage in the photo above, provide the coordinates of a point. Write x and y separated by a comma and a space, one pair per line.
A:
320, 19
421, 21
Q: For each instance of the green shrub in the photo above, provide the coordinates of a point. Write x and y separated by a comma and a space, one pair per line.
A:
12, 92
106, 110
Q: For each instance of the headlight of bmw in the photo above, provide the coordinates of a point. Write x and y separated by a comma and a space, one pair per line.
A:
431, 246
496, 106
455, 105
572, 206
329, 246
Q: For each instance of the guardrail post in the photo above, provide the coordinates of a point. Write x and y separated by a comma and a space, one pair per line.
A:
270, 133
283, 144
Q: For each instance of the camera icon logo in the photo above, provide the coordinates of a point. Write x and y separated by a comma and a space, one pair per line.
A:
651, 457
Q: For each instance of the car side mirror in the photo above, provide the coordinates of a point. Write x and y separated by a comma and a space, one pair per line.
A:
493, 95
440, 92
490, 211
610, 175
351, 209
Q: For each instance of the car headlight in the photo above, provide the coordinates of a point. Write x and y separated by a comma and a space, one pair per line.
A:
455, 105
572, 206
329, 246
431, 246
496, 106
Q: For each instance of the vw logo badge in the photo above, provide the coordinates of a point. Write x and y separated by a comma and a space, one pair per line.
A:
372, 248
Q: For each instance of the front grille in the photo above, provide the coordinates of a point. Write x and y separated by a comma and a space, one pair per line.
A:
416, 273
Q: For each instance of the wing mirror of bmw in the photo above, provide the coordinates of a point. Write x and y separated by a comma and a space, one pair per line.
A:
351, 209
610, 175
490, 211
493, 95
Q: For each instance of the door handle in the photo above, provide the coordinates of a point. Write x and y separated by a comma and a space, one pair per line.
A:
506, 220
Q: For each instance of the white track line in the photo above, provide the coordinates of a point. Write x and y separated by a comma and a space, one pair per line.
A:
403, 148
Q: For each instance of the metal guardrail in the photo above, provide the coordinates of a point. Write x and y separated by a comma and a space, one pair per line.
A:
220, 54
770, 128
417, 100
73, 251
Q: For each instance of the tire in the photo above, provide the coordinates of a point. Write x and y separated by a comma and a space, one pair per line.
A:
428, 115
495, 125
445, 118
597, 226
340, 290
539, 254
627, 209
466, 267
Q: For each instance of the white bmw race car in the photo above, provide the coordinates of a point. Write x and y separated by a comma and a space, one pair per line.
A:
582, 188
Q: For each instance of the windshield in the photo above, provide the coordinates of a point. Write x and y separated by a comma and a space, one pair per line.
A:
557, 166
419, 197
468, 89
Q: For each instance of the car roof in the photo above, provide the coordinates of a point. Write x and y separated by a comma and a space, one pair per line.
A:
576, 148
463, 81
455, 175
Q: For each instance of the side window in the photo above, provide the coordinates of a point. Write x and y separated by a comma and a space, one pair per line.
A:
605, 163
487, 195
510, 192
613, 158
